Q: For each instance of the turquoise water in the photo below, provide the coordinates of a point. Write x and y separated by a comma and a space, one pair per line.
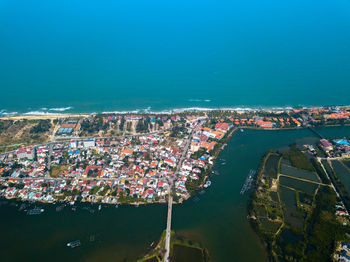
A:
157, 55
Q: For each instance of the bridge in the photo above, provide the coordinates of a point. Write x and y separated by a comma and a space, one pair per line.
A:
316, 132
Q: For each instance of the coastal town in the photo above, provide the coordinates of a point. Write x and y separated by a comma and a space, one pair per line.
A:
137, 159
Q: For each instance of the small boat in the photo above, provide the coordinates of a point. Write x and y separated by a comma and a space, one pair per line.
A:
99, 207
35, 211
116, 206
207, 184
74, 244
242, 130
71, 203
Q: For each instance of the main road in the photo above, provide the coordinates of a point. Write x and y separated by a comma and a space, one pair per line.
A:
170, 200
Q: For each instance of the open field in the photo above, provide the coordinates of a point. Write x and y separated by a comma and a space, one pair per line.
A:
20, 133
56, 170
300, 173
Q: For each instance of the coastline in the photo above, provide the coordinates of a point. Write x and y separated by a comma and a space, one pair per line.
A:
69, 112
212, 120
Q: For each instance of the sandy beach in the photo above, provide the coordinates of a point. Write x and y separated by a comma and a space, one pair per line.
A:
48, 116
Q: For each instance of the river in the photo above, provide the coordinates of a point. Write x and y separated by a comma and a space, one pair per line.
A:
218, 220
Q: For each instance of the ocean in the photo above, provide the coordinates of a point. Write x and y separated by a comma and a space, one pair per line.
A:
160, 55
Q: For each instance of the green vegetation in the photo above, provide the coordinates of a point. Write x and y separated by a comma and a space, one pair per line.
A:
181, 250
319, 170
271, 166
294, 218
323, 227
143, 125
42, 127
19, 133
342, 190
192, 185
93, 126
298, 159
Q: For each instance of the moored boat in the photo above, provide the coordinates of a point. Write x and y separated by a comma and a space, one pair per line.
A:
74, 244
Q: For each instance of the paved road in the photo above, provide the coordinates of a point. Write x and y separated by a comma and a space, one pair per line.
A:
168, 229
170, 200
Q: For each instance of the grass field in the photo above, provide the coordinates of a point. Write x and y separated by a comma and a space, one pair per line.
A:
306, 187
55, 170
300, 173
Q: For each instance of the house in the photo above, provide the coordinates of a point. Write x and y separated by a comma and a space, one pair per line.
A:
25, 152
326, 145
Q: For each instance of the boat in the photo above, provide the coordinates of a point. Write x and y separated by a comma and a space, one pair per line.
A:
116, 206
71, 203
74, 244
242, 130
35, 211
207, 184
99, 207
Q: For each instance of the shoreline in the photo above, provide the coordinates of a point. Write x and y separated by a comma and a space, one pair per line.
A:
48, 114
